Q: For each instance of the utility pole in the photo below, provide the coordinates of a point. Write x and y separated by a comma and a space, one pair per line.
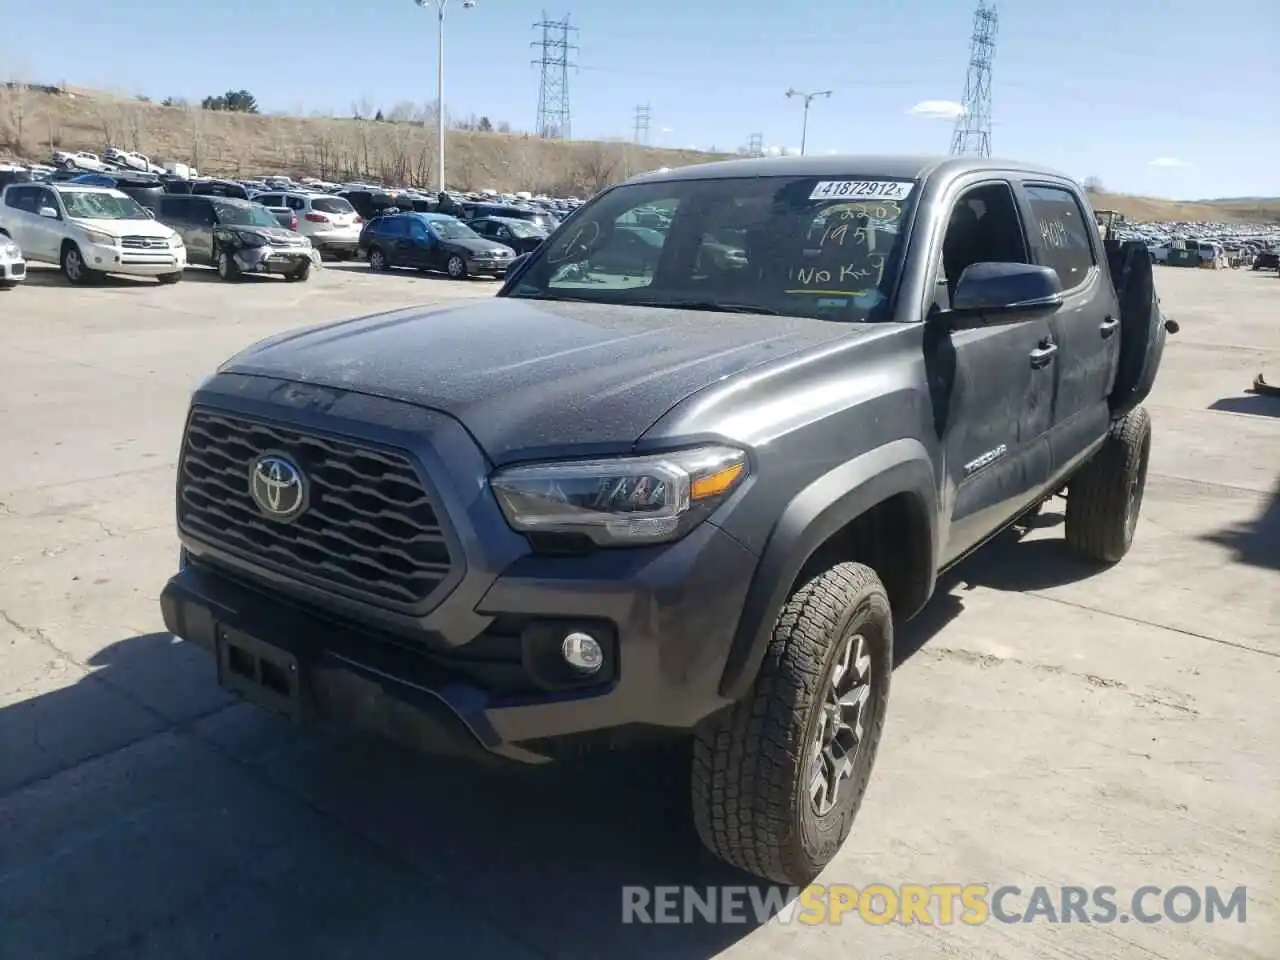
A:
642, 124
972, 136
808, 99
755, 145
553, 91
441, 6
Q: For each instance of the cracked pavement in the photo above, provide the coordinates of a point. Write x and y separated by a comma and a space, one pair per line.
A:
1049, 724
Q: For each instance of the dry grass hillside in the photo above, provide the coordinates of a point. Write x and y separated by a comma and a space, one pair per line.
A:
400, 150
1149, 209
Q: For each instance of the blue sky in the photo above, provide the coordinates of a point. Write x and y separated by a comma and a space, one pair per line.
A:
1162, 97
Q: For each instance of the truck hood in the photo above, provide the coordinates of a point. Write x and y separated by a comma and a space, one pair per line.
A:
531, 378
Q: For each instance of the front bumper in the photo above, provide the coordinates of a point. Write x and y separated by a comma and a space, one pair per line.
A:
12, 269
480, 671
273, 259
135, 262
497, 267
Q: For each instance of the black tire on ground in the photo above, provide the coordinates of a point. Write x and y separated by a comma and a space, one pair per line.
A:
73, 266
170, 277
1105, 496
8, 284
456, 267
300, 275
228, 269
755, 764
377, 260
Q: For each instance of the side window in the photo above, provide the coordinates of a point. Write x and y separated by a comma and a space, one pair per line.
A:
621, 255
48, 199
201, 212
1061, 231
294, 203
22, 198
267, 199
502, 233
417, 230
984, 227
397, 227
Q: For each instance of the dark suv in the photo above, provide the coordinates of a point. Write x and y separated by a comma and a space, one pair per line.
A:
236, 237
687, 495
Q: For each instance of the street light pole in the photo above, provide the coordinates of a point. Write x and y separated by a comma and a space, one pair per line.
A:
808, 99
441, 6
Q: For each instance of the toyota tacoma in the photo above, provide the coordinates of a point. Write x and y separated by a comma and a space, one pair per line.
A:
652, 488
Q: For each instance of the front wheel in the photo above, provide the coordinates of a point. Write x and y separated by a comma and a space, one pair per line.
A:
300, 275
73, 267
778, 778
1104, 498
227, 268
456, 267
377, 260
167, 278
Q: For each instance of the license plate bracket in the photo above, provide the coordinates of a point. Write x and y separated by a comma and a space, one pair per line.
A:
265, 675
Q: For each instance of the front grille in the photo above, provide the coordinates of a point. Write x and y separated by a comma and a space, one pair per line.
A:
144, 243
369, 525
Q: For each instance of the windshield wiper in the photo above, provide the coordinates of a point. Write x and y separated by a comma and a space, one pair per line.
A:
711, 306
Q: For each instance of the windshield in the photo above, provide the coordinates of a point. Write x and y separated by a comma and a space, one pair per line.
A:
87, 205
244, 215
331, 205
797, 246
453, 230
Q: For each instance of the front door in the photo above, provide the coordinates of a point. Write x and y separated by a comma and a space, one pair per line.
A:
1086, 328
20, 217
993, 386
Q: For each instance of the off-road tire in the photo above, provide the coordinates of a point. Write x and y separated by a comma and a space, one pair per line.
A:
169, 278
751, 762
1104, 498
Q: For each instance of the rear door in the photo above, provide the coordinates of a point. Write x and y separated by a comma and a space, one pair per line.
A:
1086, 328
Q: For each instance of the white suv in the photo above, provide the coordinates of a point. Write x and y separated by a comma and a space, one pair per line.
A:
89, 231
331, 223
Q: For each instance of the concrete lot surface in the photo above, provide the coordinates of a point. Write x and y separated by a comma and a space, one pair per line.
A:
1050, 724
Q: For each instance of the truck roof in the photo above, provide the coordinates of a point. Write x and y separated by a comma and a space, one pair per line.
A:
893, 166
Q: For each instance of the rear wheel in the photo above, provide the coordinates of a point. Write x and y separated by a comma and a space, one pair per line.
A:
1105, 497
778, 778
377, 260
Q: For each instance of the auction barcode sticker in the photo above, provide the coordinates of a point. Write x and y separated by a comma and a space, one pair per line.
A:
862, 189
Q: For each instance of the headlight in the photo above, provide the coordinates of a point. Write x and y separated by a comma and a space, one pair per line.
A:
176, 240
9, 248
620, 502
252, 239
97, 236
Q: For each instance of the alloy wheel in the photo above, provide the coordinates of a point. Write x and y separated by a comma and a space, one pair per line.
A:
840, 729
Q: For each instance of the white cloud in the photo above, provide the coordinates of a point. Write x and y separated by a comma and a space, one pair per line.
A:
937, 109
1168, 162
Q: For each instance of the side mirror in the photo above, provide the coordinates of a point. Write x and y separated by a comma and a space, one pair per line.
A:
987, 292
49, 213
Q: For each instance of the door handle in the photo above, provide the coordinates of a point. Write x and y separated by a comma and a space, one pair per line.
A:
1042, 356
1109, 326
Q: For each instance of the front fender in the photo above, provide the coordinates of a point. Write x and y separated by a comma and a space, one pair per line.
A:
813, 516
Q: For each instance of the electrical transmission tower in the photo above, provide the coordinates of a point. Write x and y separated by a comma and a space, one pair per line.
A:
642, 123
972, 136
755, 146
553, 92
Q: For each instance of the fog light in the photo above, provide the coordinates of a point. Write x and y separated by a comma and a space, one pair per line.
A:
582, 652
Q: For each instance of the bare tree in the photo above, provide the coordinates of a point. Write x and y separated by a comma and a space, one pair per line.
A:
15, 107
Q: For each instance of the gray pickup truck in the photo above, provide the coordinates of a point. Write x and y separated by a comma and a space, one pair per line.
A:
676, 480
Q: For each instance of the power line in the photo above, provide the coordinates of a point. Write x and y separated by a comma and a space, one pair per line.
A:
553, 91
641, 120
755, 145
972, 136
